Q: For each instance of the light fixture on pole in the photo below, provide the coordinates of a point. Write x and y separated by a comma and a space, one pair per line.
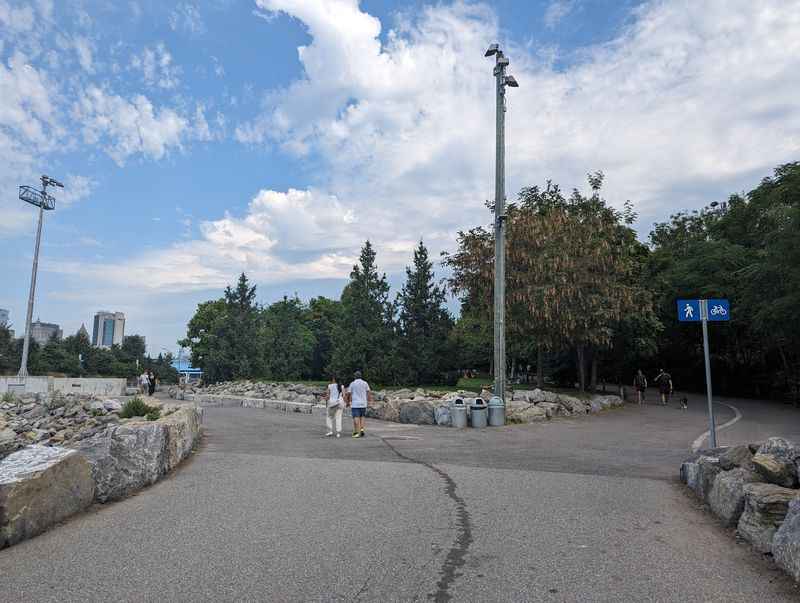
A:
44, 202
502, 80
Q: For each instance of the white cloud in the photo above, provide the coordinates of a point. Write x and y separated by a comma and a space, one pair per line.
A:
156, 67
556, 11
186, 17
16, 20
126, 127
83, 48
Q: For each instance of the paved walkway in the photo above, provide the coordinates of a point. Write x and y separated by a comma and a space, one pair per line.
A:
268, 510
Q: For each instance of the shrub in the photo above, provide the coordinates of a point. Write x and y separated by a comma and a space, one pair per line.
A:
8, 397
153, 415
135, 407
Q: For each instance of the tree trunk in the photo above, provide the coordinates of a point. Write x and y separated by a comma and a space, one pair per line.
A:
593, 378
581, 368
539, 367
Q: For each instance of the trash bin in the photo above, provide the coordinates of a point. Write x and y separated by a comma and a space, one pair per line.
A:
477, 413
497, 412
458, 414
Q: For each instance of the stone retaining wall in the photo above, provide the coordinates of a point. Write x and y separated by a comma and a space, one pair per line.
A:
41, 485
755, 489
99, 386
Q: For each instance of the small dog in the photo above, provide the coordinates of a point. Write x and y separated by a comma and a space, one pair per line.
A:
684, 403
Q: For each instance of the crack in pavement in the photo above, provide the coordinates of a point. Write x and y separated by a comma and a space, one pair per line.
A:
456, 555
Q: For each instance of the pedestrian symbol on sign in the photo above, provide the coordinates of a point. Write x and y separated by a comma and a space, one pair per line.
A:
688, 311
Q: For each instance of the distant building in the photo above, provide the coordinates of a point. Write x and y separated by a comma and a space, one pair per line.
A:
109, 329
43, 332
82, 332
4, 317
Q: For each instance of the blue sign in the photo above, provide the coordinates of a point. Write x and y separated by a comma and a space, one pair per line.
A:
689, 310
719, 309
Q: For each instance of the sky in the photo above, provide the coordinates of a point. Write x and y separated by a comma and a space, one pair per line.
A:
197, 140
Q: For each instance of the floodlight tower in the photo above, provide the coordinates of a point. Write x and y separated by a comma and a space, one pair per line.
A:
503, 80
44, 202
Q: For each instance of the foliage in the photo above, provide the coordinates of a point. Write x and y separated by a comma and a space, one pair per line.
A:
135, 407
364, 339
423, 325
286, 340
153, 415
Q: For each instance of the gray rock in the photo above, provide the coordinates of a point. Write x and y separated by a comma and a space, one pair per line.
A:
551, 409
765, 508
112, 405
595, 406
527, 414
40, 486
776, 469
726, 497
699, 472
125, 458
736, 456
8, 441
442, 414
418, 412
576, 406
786, 542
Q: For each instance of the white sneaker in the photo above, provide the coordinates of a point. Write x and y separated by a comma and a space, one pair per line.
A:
338, 435
329, 434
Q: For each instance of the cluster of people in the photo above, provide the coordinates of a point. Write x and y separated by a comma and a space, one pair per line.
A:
355, 396
147, 383
664, 383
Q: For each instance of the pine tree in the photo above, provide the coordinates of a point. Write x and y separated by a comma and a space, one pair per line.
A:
363, 337
424, 323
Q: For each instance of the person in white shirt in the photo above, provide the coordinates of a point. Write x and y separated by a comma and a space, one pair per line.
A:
144, 383
360, 395
335, 406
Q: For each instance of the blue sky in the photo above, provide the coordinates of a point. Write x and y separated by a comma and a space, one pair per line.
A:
200, 139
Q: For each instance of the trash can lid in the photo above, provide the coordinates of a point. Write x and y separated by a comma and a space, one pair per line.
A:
458, 401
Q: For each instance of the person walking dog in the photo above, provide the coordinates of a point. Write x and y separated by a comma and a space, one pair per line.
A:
664, 382
335, 407
359, 396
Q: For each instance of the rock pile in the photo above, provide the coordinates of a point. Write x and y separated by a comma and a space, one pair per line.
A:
754, 488
287, 392
56, 419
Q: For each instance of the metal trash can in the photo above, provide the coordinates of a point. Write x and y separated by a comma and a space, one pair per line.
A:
477, 413
497, 412
458, 414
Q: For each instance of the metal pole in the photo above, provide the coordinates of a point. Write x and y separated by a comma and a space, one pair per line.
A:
712, 428
23, 369
500, 235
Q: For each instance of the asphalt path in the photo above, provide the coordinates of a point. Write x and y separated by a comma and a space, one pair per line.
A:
267, 509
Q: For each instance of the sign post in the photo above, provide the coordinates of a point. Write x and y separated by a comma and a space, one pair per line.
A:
703, 310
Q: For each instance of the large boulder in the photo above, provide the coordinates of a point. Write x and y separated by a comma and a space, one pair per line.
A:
777, 460
726, 497
40, 486
786, 542
126, 458
736, 456
765, 508
575, 406
442, 414
699, 472
8, 441
419, 412
550, 409
183, 429
531, 413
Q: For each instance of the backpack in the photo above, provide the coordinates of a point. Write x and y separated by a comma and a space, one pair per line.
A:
640, 381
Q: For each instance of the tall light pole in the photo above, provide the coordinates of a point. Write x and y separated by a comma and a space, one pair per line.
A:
44, 202
502, 80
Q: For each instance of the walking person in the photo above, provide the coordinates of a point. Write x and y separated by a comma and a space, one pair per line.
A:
664, 382
151, 382
144, 383
335, 407
640, 384
360, 395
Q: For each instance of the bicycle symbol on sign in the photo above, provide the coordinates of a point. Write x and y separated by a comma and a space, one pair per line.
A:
718, 310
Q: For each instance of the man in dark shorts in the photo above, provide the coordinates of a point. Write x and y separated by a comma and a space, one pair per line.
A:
359, 395
664, 382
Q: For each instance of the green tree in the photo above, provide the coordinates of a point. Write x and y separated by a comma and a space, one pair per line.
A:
364, 337
424, 324
322, 316
208, 320
287, 340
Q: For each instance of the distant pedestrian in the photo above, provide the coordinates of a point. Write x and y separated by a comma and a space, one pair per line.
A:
144, 383
151, 382
359, 396
335, 406
640, 384
664, 382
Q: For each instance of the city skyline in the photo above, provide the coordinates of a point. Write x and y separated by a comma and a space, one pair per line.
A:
189, 155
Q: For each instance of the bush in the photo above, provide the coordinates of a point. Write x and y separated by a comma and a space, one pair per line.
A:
135, 407
8, 397
153, 415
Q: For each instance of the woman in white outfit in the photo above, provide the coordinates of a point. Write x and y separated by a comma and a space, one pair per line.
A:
335, 398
